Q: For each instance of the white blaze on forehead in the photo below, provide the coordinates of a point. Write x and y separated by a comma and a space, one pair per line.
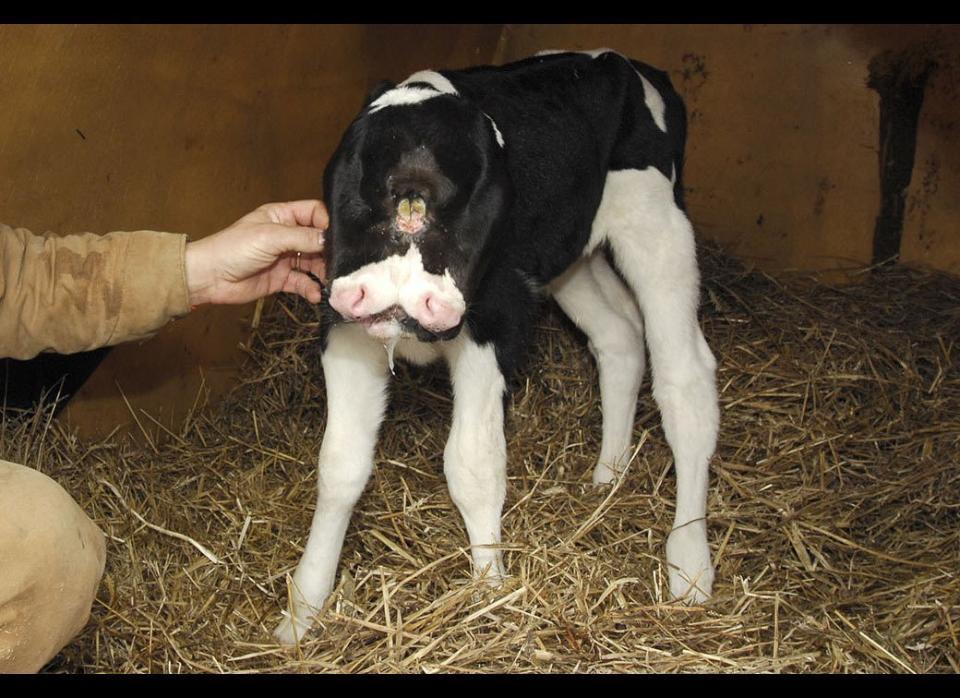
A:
402, 95
400, 280
408, 93
651, 96
405, 93
434, 79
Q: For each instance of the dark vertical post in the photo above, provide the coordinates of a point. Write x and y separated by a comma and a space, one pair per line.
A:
899, 79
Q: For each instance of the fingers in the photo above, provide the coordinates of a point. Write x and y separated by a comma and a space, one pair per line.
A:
300, 226
304, 286
282, 238
313, 264
309, 212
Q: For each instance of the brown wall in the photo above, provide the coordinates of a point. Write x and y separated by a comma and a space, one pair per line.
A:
931, 230
185, 128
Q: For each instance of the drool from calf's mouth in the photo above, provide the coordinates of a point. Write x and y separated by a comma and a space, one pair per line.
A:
390, 326
389, 346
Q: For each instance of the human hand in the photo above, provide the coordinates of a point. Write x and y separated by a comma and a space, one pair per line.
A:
257, 255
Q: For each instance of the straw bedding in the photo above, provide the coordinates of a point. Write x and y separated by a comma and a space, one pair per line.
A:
833, 511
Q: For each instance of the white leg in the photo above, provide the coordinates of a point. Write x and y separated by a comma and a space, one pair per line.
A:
653, 245
355, 370
475, 457
618, 296
617, 346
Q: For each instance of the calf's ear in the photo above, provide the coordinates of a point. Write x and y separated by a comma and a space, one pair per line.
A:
377, 91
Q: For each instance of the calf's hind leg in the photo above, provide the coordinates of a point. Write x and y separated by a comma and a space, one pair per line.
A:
653, 246
606, 314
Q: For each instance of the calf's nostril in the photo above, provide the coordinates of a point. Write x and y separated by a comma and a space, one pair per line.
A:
348, 302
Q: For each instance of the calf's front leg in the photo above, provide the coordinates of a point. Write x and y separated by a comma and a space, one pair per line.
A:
475, 457
355, 370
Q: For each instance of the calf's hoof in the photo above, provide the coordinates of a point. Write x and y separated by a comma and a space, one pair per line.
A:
603, 474
688, 562
290, 631
489, 569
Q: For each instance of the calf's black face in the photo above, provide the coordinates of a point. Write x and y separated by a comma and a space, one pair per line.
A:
416, 193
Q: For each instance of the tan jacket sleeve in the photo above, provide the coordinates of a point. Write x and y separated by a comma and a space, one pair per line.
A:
80, 292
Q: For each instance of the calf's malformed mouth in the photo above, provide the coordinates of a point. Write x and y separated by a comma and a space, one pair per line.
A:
398, 296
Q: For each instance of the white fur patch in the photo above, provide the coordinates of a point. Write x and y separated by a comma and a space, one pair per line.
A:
654, 102
417, 352
432, 77
496, 131
593, 53
598, 52
405, 94
629, 197
400, 96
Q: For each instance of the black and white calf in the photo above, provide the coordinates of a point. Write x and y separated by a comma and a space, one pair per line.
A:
458, 198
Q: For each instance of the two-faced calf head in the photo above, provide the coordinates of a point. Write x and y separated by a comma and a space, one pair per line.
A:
417, 191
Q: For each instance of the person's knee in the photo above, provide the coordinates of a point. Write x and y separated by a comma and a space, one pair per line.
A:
43, 518
52, 556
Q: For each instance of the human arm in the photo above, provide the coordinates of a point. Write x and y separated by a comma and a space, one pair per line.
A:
79, 292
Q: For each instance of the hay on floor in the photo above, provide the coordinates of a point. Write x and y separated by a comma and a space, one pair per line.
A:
833, 511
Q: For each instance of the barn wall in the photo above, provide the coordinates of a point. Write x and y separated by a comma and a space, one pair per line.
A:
931, 229
185, 129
